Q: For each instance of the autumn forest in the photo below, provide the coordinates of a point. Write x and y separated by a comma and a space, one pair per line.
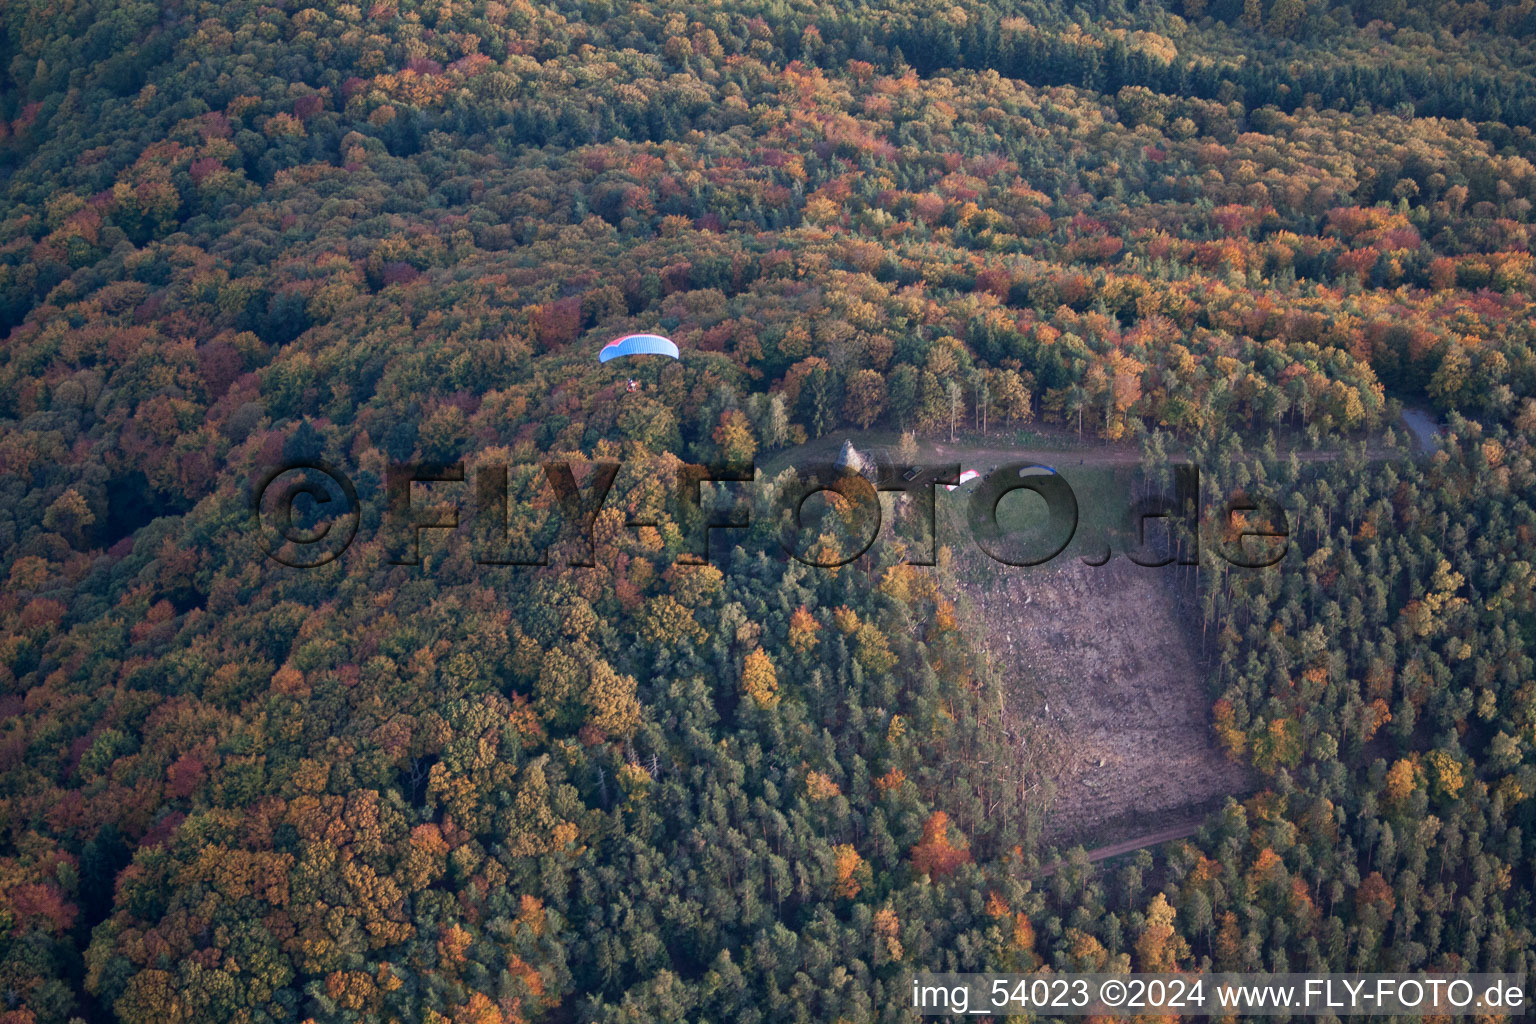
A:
1274, 238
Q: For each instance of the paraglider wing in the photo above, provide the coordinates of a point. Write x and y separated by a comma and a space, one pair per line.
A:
638, 345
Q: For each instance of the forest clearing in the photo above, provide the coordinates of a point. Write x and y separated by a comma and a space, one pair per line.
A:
1101, 659
1101, 670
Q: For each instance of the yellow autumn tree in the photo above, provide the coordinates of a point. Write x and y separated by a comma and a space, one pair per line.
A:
1233, 740
874, 651
1084, 952
1402, 779
758, 679
610, 700
734, 436
1159, 947
1447, 770
819, 786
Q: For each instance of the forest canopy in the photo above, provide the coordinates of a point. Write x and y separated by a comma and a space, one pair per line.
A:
240, 234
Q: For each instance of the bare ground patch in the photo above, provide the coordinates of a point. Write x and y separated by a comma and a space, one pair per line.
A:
1102, 672
1106, 704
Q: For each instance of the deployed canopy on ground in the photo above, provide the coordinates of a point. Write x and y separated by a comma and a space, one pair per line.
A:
965, 478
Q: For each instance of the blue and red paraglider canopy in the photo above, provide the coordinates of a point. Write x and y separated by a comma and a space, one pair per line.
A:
638, 345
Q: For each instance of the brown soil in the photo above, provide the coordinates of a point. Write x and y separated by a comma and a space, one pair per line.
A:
1100, 661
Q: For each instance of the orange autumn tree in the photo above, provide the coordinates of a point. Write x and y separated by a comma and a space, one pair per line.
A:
803, 628
846, 863
935, 855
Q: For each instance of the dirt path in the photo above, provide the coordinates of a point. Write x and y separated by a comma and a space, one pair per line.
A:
973, 450
1116, 455
882, 445
1125, 846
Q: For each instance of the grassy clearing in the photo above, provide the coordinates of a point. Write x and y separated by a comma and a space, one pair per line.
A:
1105, 495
